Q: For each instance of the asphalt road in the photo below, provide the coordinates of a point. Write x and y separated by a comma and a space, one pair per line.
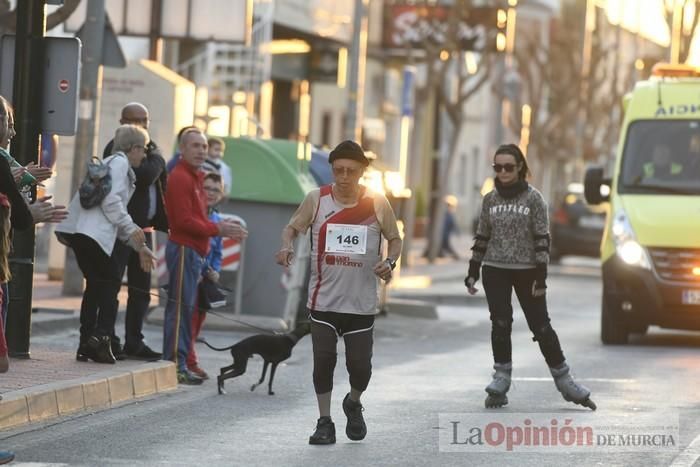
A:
422, 368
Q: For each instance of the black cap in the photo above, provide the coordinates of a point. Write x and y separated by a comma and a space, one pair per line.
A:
348, 150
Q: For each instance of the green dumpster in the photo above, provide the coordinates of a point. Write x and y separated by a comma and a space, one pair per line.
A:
270, 179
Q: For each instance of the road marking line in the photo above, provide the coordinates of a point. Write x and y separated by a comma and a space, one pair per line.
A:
689, 455
594, 380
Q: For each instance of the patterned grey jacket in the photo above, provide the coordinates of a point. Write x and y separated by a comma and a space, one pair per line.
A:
513, 232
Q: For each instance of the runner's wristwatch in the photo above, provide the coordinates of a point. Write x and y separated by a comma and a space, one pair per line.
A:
391, 263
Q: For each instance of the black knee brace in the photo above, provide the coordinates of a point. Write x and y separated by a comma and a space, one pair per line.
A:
545, 335
360, 371
500, 330
500, 340
547, 338
323, 339
324, 366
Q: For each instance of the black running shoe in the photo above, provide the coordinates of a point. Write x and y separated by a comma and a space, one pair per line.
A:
325, 432
356, 429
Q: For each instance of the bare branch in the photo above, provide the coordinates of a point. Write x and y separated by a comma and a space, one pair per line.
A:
464, 96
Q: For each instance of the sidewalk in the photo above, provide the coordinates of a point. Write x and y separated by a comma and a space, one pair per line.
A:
52, 383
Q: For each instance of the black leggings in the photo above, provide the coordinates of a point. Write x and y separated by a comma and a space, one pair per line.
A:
498, 285
357, 331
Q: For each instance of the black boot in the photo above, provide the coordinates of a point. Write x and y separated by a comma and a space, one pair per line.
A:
116, 347
100, 349
84, 352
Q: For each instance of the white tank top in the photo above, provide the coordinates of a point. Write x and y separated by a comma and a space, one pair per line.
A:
345, 247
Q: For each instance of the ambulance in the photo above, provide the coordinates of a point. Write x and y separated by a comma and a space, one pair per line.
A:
650, 250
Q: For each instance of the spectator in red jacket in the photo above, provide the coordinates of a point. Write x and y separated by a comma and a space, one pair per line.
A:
188, 245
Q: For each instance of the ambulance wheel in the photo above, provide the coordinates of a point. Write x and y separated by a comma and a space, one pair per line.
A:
613, 331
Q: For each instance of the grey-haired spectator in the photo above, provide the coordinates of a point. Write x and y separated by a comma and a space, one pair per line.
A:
97, 236
147, 210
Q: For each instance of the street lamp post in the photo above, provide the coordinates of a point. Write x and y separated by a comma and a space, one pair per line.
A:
677, 31
85, 142
358, 61
589, 29
505, 42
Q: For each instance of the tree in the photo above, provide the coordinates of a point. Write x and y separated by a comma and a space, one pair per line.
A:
8, 17
690, 14
459, 57
552, 80
453, 100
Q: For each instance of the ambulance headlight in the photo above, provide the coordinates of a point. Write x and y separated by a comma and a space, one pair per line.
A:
626, 245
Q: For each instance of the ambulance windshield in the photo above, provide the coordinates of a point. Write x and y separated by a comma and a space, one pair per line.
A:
661, 157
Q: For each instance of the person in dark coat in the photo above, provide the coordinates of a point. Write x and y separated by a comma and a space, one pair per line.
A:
148, 212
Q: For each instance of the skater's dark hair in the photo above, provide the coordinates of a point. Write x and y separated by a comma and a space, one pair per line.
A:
514, 150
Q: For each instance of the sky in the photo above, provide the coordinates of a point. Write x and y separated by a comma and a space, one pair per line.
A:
643, 16
646, 17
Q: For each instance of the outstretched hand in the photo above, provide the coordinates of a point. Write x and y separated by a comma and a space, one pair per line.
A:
231, 229
43, 211
39, 172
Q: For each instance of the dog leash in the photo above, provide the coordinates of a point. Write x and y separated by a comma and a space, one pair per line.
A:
268, 331
252, 326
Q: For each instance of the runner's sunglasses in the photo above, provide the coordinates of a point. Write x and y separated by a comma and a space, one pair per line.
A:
348, 171
507, 167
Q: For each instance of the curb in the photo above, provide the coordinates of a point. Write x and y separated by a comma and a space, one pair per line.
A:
98, 392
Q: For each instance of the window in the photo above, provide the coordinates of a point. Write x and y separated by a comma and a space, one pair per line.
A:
661, 157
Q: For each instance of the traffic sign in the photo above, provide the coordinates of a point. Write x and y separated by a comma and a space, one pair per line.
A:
61, 81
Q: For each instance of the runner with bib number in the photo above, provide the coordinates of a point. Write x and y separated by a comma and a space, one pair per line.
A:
347, 223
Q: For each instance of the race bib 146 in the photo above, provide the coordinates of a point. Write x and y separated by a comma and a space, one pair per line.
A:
346, 238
